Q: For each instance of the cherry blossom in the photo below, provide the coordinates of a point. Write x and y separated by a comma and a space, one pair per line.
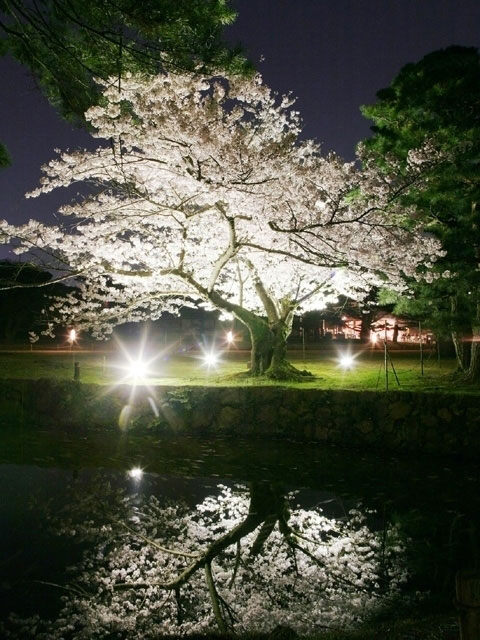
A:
204, 192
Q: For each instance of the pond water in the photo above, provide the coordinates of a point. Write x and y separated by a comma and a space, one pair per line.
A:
345, 534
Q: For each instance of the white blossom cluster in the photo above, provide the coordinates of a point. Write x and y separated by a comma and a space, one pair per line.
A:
346, 573
204, 190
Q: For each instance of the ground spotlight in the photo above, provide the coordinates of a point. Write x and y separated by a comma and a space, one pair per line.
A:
137, 369
211, 359
346, 361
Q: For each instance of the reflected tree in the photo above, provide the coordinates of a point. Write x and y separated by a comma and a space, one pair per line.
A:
238, 562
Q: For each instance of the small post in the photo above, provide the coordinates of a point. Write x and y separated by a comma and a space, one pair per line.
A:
467, 587
76, 371
393, 367
421, 347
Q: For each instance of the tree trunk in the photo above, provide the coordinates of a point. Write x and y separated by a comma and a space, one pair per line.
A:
268, 335
460, 339
269, 349
395, 333
366, 320
261, 353
467, 348
468, 603
462, 353
473, 373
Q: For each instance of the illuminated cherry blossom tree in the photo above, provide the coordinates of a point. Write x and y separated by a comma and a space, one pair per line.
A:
204, 191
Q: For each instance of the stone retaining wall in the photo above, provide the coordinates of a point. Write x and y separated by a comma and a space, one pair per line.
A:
442, 424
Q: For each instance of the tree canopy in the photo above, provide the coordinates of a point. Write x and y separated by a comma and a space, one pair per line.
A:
69, 44
438, 100
204, 190
25, 291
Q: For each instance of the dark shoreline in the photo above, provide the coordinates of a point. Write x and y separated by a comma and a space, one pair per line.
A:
421, 423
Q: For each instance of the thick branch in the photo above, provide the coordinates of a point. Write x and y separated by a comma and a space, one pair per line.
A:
267, 301
245, 316
229, 252
36, 285
214, 598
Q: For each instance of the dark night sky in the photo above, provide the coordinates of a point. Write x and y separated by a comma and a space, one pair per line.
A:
334, 55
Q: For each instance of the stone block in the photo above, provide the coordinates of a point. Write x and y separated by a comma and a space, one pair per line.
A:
399, 410
230, 418
444, 414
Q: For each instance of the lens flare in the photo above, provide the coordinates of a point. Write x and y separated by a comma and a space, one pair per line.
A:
138, 370
136, 473
211, 359
346, 361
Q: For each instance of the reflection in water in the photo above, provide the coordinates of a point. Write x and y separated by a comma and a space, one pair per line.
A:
240, 559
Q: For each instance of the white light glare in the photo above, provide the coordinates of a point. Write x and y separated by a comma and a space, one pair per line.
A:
137, 369
210, 359
136, 473
346, 361
72, 335
374, 338
229, 337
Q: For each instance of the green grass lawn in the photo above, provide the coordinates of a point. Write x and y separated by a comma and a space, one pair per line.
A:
368, 372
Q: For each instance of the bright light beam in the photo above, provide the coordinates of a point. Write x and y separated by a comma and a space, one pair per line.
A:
229, 337
211, 359
138, 370
346, 361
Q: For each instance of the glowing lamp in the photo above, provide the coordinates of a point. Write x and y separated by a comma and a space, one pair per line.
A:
137, 369
210, 359
374, 338
72, 335
229, 337
346, 361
